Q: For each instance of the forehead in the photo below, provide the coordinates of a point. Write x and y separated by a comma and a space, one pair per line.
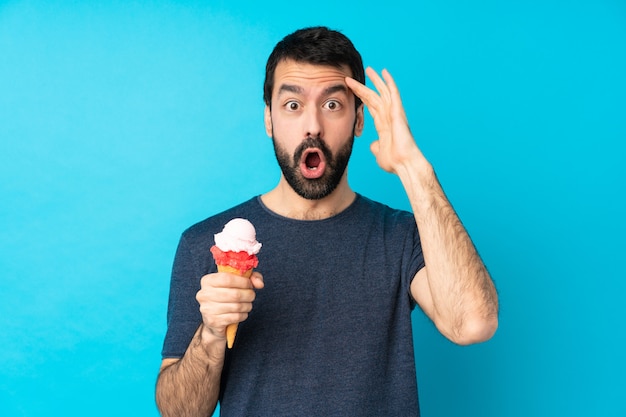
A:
308, 75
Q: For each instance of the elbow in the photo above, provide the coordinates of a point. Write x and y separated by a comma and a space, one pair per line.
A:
476, 330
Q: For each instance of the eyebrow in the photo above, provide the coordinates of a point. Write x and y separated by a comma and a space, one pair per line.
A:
299, 90
290, 88
336, 89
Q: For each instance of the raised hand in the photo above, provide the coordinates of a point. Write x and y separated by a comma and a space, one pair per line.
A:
395, 146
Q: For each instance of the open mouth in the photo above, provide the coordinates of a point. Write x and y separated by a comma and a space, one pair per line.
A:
312, 163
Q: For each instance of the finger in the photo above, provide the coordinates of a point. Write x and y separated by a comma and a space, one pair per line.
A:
367, 95
215, 312
220, 295
378, 82
219, 322
257, 280
225, 280
391, 84
220, 309
394, 91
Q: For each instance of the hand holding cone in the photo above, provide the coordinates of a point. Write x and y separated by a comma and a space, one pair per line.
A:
235, 252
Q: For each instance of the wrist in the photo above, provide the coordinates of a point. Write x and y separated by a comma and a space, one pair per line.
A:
213, 345
417, 176
422, 188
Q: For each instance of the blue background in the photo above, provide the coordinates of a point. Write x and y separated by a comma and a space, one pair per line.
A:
122, 123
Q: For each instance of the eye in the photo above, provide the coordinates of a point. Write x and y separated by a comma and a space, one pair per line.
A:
292, 105
332, 105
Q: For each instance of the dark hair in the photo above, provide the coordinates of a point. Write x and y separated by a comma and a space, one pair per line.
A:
317, 45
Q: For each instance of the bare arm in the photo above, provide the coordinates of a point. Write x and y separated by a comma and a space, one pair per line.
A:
190, 386
454, 289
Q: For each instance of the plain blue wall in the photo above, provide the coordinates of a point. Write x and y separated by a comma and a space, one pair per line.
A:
122, 123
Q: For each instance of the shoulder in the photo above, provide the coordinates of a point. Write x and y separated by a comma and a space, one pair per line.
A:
383, 212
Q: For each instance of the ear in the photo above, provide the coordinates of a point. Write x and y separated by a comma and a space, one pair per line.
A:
268, 121
360, 120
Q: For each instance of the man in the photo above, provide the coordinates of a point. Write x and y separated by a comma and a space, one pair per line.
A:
326, 329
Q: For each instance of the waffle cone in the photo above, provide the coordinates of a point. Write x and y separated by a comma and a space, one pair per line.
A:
231, 270
231, 329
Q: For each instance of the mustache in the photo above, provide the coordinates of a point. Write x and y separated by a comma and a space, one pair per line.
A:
312, 142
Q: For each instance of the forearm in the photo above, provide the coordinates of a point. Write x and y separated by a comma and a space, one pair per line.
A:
190, 387
462, 295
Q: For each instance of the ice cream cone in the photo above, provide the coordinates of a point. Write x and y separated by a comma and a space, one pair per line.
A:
235, 252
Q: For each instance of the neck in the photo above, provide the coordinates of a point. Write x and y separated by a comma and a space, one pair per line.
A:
283, 200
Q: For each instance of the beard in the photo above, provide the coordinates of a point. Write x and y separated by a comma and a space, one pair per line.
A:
317, 188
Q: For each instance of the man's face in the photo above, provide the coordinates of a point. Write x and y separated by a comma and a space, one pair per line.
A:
312, 122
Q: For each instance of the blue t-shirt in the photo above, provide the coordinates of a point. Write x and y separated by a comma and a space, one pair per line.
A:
330, 334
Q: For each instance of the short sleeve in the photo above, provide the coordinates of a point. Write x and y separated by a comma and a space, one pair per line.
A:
183, 314
415, 259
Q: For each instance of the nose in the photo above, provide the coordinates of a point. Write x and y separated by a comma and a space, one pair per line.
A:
313, 123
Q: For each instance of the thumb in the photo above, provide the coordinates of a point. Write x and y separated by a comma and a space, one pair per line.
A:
257, 280
375, 147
